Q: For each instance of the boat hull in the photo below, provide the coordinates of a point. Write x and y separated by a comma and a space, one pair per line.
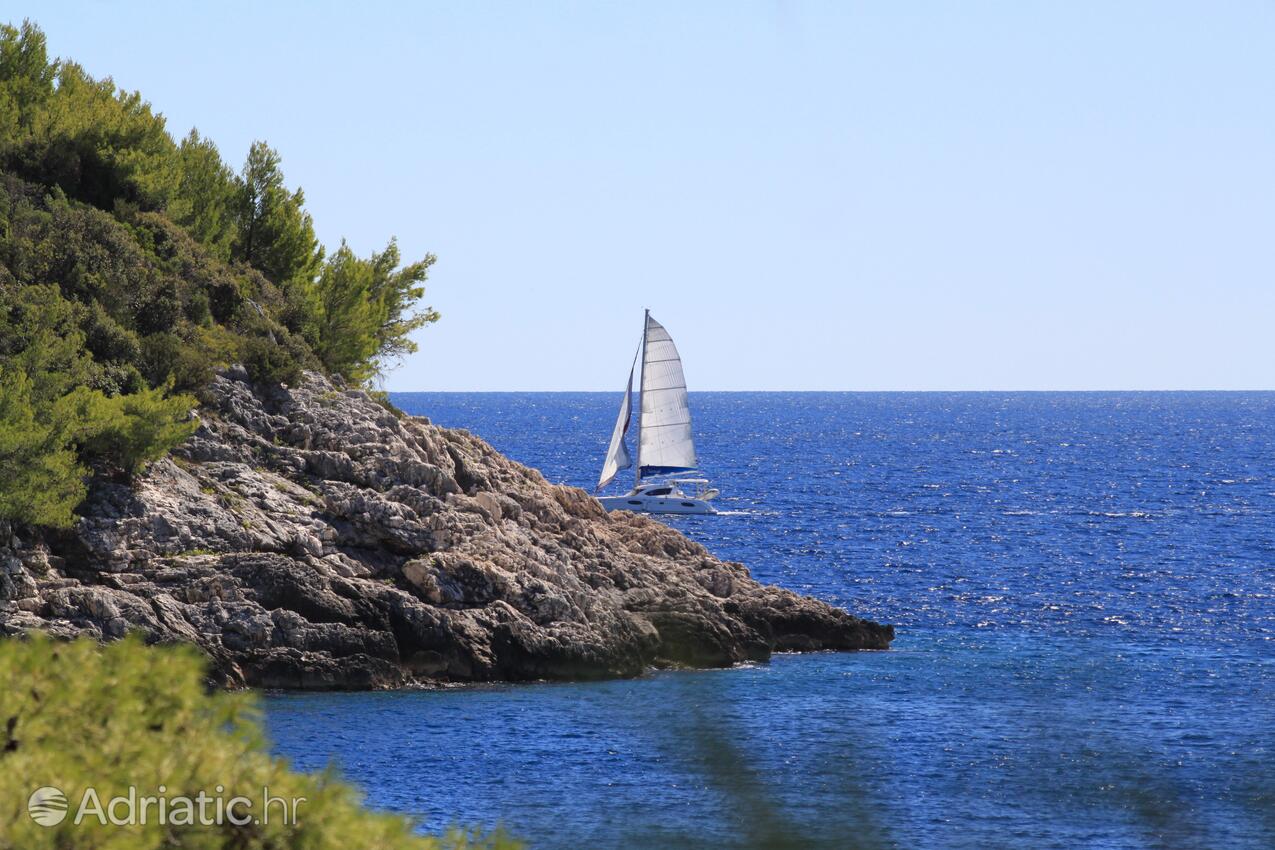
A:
657, 504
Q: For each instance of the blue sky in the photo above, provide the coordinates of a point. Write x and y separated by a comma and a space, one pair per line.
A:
830, 196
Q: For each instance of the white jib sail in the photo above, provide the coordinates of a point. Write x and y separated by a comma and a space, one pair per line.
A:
664, 441
618, 452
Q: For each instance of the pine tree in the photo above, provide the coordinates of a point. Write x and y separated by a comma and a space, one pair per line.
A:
205, 200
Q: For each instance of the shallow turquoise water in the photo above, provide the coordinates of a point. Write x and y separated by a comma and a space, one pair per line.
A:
1084, 586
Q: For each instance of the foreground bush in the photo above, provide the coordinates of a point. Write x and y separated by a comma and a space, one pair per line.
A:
80, 715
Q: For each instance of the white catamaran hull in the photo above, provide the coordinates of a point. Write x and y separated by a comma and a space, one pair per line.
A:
657, 504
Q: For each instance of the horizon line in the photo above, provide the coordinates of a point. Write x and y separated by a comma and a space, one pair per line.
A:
862, 392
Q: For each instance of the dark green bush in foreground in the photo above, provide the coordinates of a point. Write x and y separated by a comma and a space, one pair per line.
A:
74, 715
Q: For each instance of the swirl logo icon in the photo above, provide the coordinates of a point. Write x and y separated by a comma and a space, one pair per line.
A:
47, 806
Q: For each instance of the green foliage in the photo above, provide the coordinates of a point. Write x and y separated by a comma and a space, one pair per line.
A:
205, 200
149, 300
362, 311
128, 431
132, 266
42, 481
110, 717
26, 79
40, 337
270, 362
53, 424
63, 128
80, 137
275, 233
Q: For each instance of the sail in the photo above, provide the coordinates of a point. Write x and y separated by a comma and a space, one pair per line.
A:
664, 439
618, 453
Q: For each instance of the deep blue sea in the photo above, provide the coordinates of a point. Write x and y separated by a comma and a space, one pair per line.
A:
1084, 590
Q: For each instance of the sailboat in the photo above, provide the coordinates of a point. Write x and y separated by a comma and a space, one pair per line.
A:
665, 447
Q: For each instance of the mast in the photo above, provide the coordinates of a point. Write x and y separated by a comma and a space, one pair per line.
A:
637, 475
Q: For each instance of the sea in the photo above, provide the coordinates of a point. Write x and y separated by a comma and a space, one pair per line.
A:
1083, 587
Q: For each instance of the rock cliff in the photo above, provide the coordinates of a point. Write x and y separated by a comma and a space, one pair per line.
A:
311, 538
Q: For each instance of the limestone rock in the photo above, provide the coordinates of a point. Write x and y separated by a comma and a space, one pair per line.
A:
309, 538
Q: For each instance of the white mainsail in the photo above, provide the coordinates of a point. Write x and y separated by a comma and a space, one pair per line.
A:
618, 452
664, 426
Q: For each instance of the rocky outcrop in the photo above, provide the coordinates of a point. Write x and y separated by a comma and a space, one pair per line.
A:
311, 538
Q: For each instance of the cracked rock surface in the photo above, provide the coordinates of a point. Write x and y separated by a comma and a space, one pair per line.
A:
310, 538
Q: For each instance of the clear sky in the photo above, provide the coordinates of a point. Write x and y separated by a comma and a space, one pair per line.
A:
960, 195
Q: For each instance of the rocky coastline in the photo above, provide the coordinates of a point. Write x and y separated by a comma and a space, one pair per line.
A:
310, 537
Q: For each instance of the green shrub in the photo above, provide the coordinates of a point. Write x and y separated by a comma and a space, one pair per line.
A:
132, 266
40, 336
187, 365
361, 316
107, 340
80, 715
205, 197
275, 233
270, 361
42, 481
170, 216
128, 431
55, 422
